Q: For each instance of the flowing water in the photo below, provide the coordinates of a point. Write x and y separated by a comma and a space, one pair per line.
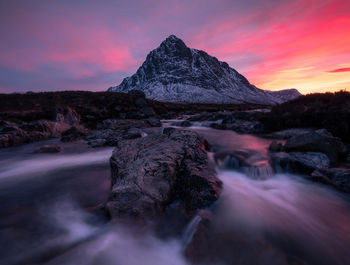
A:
47, 202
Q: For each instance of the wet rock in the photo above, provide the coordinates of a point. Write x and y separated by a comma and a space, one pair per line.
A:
210, 116
48, 148
132, 133
317, 141
337, 177
74, 133
121, 124
275, 146
154, 122
12, 134
97, 142
232, 160
286, 134
251, 163
298, 162
218, 126
111, 131
168, 130
242, 126
169, 115
182, 124
150, 173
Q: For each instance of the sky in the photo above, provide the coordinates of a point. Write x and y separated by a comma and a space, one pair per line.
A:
48, 45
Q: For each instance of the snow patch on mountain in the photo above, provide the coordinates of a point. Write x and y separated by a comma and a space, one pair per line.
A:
175, 73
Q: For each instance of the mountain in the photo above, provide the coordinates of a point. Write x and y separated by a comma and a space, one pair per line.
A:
175, 73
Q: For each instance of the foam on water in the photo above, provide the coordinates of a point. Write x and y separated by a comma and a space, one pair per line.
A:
40, 164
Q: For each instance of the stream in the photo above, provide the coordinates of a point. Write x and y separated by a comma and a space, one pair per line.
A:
47, 202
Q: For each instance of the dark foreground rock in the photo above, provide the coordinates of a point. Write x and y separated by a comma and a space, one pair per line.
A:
337, 177
151, 173
316, 166
299, 162
318, 141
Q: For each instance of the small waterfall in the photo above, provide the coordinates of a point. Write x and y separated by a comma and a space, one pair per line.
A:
191, 228
231, 162
253, 167
263, 171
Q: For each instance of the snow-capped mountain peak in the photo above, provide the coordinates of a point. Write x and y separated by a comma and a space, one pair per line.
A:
175, 73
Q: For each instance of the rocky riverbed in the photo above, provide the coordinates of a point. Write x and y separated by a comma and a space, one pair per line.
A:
203, 187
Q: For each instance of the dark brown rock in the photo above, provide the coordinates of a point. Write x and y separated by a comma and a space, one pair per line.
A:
150, 173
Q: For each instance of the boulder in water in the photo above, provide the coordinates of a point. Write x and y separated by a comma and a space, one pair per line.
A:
150, 173
299, 162
317, 141
337, 177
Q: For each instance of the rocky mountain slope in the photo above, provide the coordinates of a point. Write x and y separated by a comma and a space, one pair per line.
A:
175, 73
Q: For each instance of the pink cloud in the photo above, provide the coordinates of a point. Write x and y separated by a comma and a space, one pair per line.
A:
339, 70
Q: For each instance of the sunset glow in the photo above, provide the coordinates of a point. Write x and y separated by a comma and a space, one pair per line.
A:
91, 45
